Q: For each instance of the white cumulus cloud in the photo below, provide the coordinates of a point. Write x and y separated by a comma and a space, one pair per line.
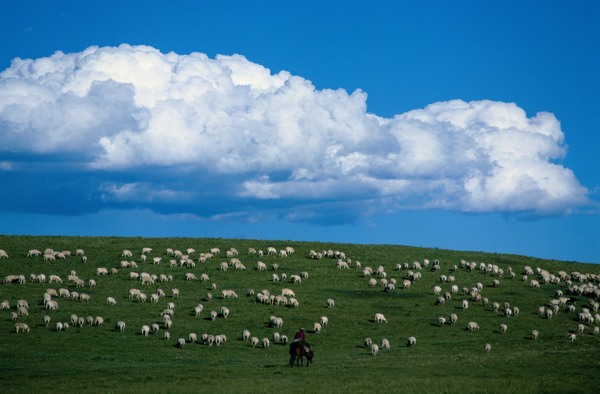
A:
255, 135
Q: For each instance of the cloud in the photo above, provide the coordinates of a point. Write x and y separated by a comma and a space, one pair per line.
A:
225, 135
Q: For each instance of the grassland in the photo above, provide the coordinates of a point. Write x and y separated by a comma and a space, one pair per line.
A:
447, 359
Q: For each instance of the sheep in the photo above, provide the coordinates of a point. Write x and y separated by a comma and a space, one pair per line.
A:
225, 311
21, 327
374, 349
487, 347
192, 337
324, 321
380, 318
14, 316
33, 252
266, 343
472, 326
120, 326
368, 342
295, 279
145, 330
54, 278
3, 254
385, 344
465, 304
46, 320
572, 336
503, 328
99, 321
317, 328
175, 293
581, 328
4, 304
101, 271
288, 292
411, 342
198, 310
453, 318
254, 341
59, 326
330, 303
245, 335
181, 342
213, 315
441, 320
111, 301
276, 337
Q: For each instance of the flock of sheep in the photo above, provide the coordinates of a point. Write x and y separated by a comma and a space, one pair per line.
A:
471, 293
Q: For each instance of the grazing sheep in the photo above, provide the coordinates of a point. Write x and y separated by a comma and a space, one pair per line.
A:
317, 328
385, 344
111, 301
99, 321
472, 326
380, 318
181, 342
167, 335
324, 321
487, 347
453, 318
266, 343
46, 320
441, 320
213, 315
245, 335
192, 337
175, 292
503, 328
21, 327
224, 311
411, 342
572, 336
145, 330
581, 328
198, 310
254, 341
330, 303
374, 349
465, 304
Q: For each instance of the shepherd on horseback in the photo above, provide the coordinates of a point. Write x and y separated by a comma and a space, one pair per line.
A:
299, 349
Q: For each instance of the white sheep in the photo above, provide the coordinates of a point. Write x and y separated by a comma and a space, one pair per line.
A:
385, 344
21, 327
572, 336
213, 315
324, 321
181, 342
472, 326
442, 320
503, 328
453, 318
254, 341
330, 303
374, 349
368, 342
225, 311
245, 335
111, 301
145, 330
317, 328
465, 304
380, 318
46, 320
411, 342
266, 342
487, 347
192, 336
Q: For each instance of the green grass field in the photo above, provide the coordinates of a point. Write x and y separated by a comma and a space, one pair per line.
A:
447, 358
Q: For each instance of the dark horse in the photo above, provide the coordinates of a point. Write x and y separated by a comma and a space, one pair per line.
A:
298, 351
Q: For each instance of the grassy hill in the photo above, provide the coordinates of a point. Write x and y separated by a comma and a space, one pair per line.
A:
446, 358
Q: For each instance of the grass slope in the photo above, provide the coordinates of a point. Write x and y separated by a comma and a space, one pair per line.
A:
447, 358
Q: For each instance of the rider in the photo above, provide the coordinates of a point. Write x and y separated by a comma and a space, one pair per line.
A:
300, 335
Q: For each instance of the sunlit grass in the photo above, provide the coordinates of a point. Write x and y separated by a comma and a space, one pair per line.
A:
446, 359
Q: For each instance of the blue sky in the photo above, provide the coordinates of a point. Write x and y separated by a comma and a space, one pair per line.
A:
463, 125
